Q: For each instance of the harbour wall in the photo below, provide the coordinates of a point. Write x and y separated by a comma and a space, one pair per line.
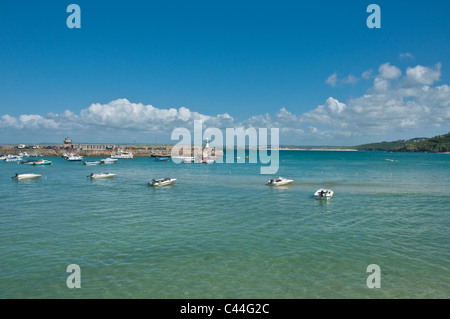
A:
137, 150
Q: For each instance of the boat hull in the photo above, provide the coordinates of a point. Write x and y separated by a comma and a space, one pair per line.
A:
159, 183
91, 163
323, 194
279, 181
102, 176
42, 162
109, 161
26, 176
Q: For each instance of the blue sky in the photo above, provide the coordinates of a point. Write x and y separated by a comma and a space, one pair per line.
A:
306, 68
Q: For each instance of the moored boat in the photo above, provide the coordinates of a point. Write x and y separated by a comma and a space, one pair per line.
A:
121, 154
108, 160
161, 159
162, 182
159, 155
323, 193
91, 163
74, 158
28, 162
12, 158
26, 176
43, 162
188, 160
184, 159
101, 175
279, 181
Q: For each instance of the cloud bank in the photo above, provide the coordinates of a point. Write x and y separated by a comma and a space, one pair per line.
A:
396, 102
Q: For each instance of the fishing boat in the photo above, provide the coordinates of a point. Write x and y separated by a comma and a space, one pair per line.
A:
26, 176
101, 175
43, 162
108, 160
161, 159
162, 182
91, 163
279, 181
323, 193
121, 154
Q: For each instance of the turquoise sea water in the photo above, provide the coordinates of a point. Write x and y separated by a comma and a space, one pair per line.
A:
220, 232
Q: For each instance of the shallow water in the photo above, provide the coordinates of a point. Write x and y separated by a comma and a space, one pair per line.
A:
220, 232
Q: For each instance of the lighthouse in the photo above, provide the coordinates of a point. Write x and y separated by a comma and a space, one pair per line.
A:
206, 150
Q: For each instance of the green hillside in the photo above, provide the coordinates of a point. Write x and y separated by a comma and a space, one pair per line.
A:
437, 144
387, 146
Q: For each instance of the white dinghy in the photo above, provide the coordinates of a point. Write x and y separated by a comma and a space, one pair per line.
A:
279, 181
162, 182
323, 193
26, 176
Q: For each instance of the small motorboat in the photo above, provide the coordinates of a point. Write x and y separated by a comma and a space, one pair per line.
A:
323, 193
188, 160
91, 163
122, 154
28, 162
161, 159
158, 155
162, 182
279, 181
108, 160
208, 161
74, 158
13, 158
101, 175
26, 176
43, 162
184, 159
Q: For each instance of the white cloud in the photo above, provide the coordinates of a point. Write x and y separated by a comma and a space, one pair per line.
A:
423, 75
351, 79
332, 80
366, 74
118, 117
389, 72
28, 121
395, 102
406, 55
